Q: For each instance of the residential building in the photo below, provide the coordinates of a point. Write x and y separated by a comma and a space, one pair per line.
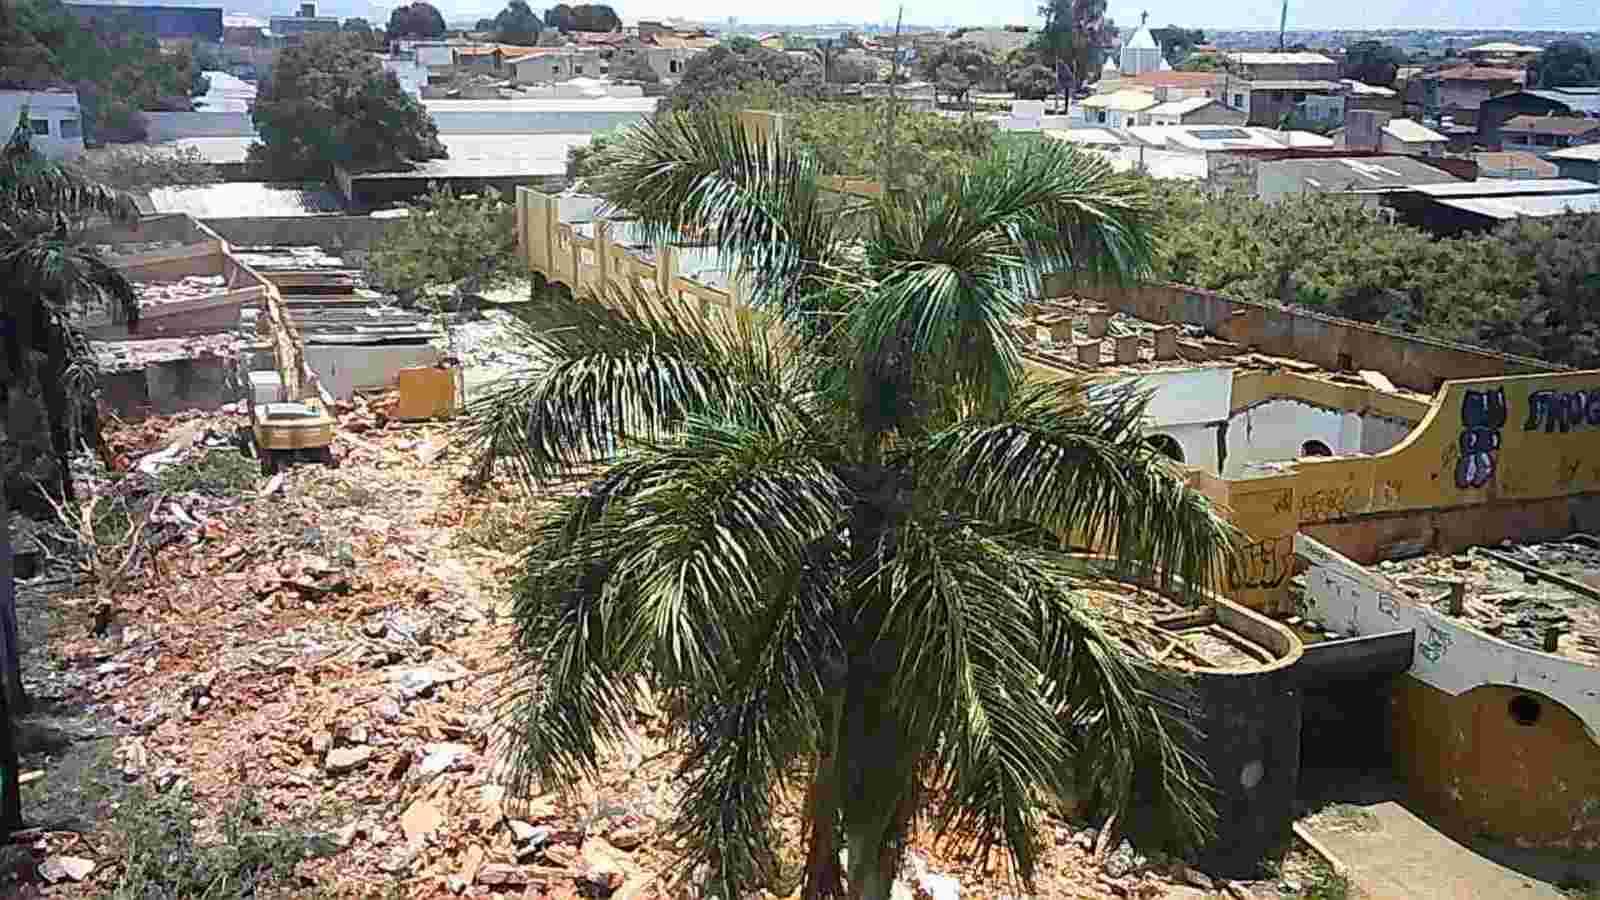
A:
1269, 102
1501, 53
1374, 130
557, 64
1459, 92
53, 119
1359, 95
1518, 165
1168, 85
1564, 101
1193, 111
287, 31
166, 23
1366, 177
1119, 109
1580, 163
1283, 66
1543, 135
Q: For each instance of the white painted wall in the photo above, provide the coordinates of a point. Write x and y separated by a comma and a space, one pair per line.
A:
1277, 429
1188, 404
1449, 656
62, 120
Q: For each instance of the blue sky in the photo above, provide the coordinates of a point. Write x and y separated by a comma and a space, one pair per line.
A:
1534, 14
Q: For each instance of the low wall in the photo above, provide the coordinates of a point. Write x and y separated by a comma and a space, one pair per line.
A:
170, 126
164, 388
331, 232
1420, 364
344, 369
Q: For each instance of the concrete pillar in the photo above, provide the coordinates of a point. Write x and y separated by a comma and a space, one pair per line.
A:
1127, 349
1166, 343
666, 268
1089, 353
1458, 597
1098, 320
602, 254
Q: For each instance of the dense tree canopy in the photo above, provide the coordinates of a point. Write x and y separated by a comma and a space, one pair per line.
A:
141, 168
958, 67
329, 102
722, 74
517, 24
633, 68
118, 70
582, 17
1373, 62
1034, 82
416, 20
463, 243
1565, 63
362, 30
1177, 43
1074, 33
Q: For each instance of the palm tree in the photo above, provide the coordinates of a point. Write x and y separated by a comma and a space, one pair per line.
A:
829, 532
47, 276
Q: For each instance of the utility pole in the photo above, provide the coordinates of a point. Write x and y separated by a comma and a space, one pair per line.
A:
1283, 22
887, 164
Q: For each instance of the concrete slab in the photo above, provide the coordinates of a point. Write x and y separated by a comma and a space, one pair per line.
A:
1393, 854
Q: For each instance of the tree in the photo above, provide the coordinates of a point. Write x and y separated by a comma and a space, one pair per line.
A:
852, 69
633, 68
484, 26
583, 17
1198, 62
330, 103
418, 20
517, 24
48, 277
722, 74
828, 530
1073, 33
1563, 64
956, 68
465, 243
1177, 43
142, 168
1035, 82
1557, 316
361, 30
1373, 62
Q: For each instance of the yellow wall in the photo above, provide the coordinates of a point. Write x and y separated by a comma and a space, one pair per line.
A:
1483, 443
1467, 759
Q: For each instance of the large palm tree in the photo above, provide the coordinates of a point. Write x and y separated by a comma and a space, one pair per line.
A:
829, 532
45, 277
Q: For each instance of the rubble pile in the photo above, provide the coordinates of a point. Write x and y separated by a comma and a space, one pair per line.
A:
1510, 604
329, 641
189, 287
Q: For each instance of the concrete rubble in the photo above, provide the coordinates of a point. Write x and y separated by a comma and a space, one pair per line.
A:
335, 646
189, 287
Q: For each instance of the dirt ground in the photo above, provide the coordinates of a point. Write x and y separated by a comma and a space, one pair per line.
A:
331, 642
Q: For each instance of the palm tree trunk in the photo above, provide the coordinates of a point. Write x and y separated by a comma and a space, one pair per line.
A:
822, 875
10, 769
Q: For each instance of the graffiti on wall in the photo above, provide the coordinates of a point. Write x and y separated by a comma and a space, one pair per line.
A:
1263, 564
1562, 410
1483, 414
1328, 503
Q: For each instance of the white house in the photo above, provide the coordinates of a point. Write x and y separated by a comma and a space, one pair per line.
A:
1118, 109
53, 117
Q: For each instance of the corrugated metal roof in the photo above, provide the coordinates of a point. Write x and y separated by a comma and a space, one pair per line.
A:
1568, 125
1589, 152
1180, 107
1412, 132
1280, 59
495, 156
1516, 207
1476, 73
1296, 84
246, 199
1579, 100
1514, 164
1362, 173
1509, 187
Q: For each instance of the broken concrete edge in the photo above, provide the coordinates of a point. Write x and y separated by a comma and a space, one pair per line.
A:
1315, 846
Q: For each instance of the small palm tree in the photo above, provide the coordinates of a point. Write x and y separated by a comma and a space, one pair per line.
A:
46, 277
829, 532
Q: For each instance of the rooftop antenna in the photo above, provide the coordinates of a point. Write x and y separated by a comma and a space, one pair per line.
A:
1283, 22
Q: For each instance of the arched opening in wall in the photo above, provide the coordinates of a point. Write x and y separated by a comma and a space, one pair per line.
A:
1166, 445
1315, 448
1524, 710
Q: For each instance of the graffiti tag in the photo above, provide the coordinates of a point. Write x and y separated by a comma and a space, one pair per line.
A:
1328, 503
1483, 414
1264, 564
1562, 410
1437, 644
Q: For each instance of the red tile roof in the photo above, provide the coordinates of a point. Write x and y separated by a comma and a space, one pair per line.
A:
1174, 79
1551, 124
1516, 161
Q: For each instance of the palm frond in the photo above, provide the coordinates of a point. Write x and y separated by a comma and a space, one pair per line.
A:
666, 567
1072, 458
703, 176
29, 181
627, 367
950, 269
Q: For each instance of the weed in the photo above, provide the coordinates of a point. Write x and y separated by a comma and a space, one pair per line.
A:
162, 858
221, 473
502, 527
1579, 889
1323, 882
